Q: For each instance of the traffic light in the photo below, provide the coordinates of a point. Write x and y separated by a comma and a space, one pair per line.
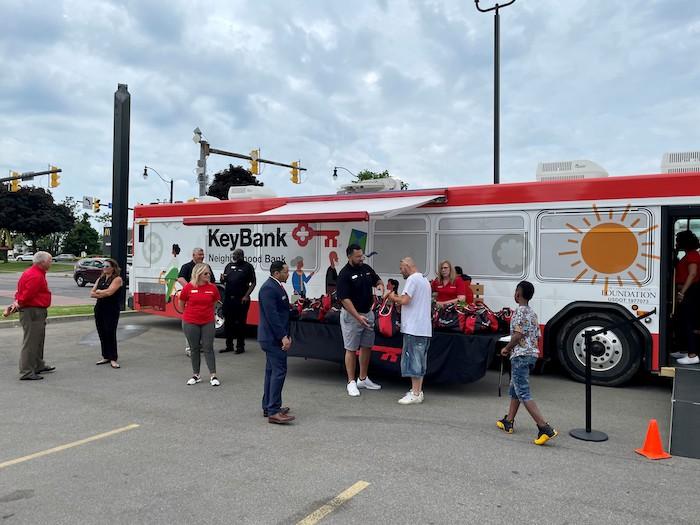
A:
295, 172
254, 166
14, 183
55, 178
96, 205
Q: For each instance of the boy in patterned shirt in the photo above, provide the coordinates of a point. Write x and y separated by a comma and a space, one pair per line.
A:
523, 352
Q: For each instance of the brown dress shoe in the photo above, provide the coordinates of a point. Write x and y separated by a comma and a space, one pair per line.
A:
283, 410
280, 419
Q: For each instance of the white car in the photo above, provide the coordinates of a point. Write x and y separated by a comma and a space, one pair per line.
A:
26, 257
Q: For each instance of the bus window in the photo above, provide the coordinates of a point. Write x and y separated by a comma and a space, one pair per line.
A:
485, 246
597, 245
391, 247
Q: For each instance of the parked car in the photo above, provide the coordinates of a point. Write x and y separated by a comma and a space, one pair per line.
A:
25, 257
88, 270
65, 257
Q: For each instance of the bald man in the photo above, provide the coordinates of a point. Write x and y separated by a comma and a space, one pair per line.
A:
416, 328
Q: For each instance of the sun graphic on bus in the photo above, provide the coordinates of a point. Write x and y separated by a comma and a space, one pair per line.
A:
610, 250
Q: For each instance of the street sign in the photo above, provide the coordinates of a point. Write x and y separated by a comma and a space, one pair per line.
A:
87, 203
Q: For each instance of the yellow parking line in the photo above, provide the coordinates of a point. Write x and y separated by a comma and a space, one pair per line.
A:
333, 504
67, 446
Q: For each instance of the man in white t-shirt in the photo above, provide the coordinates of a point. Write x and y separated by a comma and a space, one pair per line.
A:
416, 327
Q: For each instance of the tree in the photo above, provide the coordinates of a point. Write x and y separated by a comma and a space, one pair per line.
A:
53, 242
83, 237
371, 175
232, 176
32, 211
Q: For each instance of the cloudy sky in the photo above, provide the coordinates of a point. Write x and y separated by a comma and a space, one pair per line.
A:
373, 84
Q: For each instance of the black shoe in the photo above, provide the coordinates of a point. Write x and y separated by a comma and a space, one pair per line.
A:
505, 425
224, 350
30, 377
46, 369
240, 351
544, 434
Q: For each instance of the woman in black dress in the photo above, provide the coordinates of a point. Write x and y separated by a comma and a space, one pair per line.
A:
106, 291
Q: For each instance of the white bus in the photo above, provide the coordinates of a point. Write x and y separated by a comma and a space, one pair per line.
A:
597, 250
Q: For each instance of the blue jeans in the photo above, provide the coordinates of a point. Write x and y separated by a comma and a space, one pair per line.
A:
414, 355
520, 368
275, 373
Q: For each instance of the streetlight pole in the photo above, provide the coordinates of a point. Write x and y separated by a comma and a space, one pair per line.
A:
167, 181
496, 86
335, 171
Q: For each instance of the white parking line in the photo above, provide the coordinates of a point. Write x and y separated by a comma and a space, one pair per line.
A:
333, 504
67, 446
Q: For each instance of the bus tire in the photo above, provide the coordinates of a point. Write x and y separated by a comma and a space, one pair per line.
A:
616, 355
219, 318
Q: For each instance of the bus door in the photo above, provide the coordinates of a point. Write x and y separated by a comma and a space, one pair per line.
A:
674, 219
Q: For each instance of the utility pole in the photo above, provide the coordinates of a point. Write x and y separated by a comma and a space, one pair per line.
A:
496, 87
205, 150
120, 182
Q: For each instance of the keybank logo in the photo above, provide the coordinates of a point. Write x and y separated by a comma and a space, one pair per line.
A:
245, 238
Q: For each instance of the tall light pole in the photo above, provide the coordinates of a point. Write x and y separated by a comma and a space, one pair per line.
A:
202, 162
496, 86
335, 172
167, 181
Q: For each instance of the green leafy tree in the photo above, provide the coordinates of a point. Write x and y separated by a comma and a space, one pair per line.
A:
33, 212
53, 242
371, 175
83, 237
232, 176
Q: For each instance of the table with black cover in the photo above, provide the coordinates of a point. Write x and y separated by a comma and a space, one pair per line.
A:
452, 357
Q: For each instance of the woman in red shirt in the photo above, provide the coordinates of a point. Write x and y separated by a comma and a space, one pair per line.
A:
197, 300
448, 288
688, 295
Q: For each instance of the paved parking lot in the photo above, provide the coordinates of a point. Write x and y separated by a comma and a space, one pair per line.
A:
204, 454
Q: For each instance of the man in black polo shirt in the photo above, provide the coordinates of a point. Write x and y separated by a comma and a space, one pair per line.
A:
239, 278
185, 275
354, 289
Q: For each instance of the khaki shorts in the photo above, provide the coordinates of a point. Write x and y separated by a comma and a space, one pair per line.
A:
354, 334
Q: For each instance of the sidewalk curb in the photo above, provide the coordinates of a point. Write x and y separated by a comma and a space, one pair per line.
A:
66, 319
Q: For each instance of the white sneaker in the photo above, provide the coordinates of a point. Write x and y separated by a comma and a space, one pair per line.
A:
214, 381
678, 355
368, 384
689, 360
411, 399
352, 389
194, 380
188, 352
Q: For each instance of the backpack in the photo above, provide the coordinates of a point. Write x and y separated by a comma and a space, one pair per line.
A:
447, 318
504, 316
387, 321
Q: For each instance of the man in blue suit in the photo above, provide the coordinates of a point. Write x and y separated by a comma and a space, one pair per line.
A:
273, 336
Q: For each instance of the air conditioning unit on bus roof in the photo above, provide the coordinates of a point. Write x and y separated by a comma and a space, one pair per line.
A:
569, 170
681, 162
371, 185
250, 192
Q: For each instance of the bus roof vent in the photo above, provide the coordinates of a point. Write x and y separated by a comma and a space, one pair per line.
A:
569, 170
681, 162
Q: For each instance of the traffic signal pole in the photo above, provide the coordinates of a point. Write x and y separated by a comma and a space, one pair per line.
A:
30, 175
248, 157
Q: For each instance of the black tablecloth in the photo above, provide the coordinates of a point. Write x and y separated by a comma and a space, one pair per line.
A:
452, 357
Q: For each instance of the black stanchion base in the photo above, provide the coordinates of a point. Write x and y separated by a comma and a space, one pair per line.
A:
593, 435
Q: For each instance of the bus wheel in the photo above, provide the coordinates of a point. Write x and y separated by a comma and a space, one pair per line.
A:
615, 355
219, 320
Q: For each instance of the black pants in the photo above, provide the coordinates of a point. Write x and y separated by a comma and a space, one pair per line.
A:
688, 315
106, 320
235, 317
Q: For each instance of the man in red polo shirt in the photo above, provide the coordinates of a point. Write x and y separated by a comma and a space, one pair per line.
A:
32, 299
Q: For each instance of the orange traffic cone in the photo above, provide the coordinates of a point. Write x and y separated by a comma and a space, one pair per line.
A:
652, 448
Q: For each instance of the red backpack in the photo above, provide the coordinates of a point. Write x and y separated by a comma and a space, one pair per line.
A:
387, 321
